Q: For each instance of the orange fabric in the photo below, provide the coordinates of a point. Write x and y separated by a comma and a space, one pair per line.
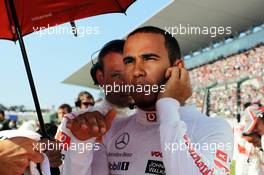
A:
242, 150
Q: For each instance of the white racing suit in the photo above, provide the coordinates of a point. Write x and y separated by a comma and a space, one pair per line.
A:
249, 159
173, 140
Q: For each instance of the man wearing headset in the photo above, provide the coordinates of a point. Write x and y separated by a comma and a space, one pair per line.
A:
108, 70
161, 137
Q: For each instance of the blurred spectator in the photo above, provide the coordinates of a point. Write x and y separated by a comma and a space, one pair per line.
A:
223, 100
246, 64
62, 110
250, 158
13, 124
4, 124
84, 100
227, 72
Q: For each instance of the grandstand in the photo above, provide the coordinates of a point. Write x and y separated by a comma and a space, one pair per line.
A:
230, 82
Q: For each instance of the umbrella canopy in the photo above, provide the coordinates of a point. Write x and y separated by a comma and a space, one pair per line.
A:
38, 14
19, 18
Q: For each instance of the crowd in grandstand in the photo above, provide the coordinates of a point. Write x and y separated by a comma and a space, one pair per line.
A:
226, 72
222, 88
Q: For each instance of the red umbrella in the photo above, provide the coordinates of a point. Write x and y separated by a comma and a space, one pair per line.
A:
19, 18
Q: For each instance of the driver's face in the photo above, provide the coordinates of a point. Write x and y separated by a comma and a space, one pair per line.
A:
113, 73
146, 61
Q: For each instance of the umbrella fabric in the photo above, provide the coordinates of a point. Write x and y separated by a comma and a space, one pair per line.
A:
37, 14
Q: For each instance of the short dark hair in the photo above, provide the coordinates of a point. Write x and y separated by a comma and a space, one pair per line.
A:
2, 112
66, 106
171, 44
116, 46
112, 46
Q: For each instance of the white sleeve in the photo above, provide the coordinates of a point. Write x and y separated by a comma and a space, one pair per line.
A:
178, 151
78, 155
100, 164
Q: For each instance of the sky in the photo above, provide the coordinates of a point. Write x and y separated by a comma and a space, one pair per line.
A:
54, 54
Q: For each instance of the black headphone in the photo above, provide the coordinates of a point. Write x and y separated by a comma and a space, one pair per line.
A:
102, 51
93, 70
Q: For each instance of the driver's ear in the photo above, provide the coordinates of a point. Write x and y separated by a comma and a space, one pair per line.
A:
179, 63
100, 77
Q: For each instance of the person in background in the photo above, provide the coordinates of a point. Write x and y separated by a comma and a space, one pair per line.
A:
4, 124
254, 122
84, 100
250, 160
13, 124
108, 70
62, 110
